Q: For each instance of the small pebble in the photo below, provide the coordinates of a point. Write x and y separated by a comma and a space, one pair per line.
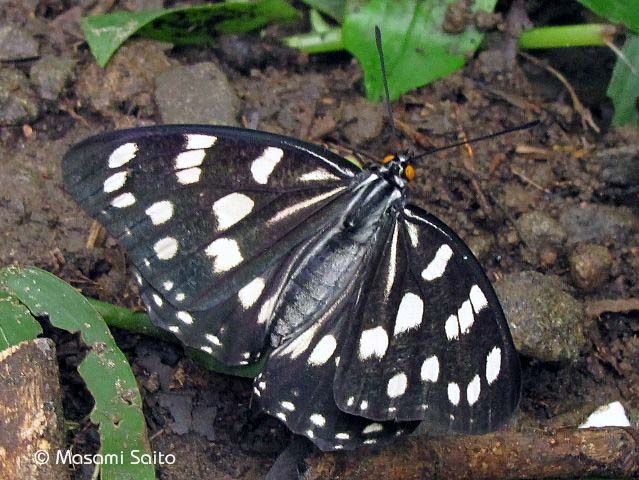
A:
590, 266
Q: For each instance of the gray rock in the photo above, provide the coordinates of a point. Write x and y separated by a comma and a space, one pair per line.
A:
18, 102
619, 166
197, 93
128, 80
596, 223
546, 322
50, 75
538, 229
16, 44
481, 245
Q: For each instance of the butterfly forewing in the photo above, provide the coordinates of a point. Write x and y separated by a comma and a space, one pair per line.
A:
430, 341
208, 218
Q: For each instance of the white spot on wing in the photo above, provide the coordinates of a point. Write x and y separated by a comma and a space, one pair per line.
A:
323, 350
413, 234
478, 299
225, 253
197, 140
192, 158
318, 419
160, 212
232, 208
157, 299
266, 310
493, 365
452, 328
437, 266
430, 369
213, 339
249, 294
318, 175
453, 393
174, 329
123, 154
363, 405
288, 406
300, 343
124, 200
206, 349
409, 313
373, 343
466, 317
392, 262
184, 317
166, 248
473, 389
168, 285
373, 428
115, 182
397, 385
188, 176
301, 205
342, 436
263, 166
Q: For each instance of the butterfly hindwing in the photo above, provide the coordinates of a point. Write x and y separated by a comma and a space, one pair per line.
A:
208, 216
297, 387
429, 341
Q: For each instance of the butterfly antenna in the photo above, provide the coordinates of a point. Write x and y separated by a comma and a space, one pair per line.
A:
380, 52
525, 126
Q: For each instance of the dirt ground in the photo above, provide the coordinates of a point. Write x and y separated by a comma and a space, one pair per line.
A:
481, 191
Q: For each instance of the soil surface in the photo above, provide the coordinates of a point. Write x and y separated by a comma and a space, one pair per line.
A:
582, 185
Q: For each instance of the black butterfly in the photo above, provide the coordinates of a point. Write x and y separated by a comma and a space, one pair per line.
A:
379, 315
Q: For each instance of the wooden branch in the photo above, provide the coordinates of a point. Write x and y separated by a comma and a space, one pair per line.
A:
30, 412
567, 453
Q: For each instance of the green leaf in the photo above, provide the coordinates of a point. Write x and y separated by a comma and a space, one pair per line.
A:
623, 88
105, 370
619, 11
16, 323
332, 8
182, 26
417, 50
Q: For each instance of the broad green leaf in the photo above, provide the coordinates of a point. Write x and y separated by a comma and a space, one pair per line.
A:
183, 26
619, 11
623, 88
16, 323
332, 8
105, 369
417, 50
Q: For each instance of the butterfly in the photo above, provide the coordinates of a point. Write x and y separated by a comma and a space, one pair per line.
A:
376, 314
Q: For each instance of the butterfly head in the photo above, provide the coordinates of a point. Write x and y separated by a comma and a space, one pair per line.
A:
398, 169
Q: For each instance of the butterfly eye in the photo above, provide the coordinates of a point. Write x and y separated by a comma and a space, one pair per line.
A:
388, 159
409, 172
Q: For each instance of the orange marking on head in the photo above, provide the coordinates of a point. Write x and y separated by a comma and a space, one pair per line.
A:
388, 159
409, 172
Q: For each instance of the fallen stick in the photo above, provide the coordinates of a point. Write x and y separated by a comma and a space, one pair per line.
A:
567, 453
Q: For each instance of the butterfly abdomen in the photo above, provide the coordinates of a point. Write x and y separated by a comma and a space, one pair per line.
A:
329, 266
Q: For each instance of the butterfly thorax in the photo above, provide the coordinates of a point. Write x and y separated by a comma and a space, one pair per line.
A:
330, 263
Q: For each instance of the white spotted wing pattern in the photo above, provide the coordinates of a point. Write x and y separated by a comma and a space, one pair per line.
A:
377, 314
